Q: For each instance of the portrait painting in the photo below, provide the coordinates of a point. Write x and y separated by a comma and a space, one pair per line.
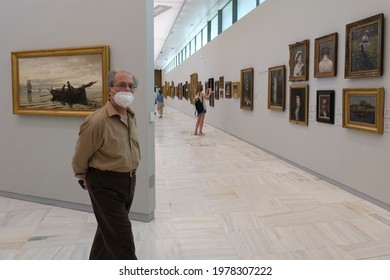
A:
325, 106
221, 86
185, 92
165, 89
236, 89
299, 104
364, 48
67, 82
277, 88
192, 89
325, 56
211, 84
212, 97
180, 90
172, 89
299, 61
216, 89
228, 89
363, 109
246, 101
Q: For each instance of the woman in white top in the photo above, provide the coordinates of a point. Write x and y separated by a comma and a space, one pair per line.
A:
201, 115
299, 68
326, 64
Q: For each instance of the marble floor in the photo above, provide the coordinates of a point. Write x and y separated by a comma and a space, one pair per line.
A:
217, 198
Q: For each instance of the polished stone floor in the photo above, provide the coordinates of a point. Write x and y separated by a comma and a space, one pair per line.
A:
217, 198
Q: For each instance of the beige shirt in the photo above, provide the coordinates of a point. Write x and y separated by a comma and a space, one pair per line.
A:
106, 143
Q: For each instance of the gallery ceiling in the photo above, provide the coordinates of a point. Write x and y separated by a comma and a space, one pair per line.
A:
178, 21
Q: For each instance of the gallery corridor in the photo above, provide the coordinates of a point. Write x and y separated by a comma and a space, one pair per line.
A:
217, 197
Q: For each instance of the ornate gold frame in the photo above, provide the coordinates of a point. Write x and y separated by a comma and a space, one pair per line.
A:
193, 83
325, 45
361, 114
302, 47
358, 62
280, 71
300, 116
40, 74
236, 89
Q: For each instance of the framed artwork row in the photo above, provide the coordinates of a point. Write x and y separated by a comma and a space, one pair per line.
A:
363, 58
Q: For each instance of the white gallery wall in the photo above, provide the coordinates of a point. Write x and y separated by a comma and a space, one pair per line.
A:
36, 150
355, 160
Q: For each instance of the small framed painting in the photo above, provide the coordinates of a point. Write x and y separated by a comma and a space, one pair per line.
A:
325, 56
228, 89
236, 89
299, 104
221, 86
325, 106
246, 89
363, 109
299, 61
277, 88
216, 90
364, 47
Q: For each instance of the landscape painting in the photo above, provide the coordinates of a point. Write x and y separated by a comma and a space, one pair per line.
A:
60, 82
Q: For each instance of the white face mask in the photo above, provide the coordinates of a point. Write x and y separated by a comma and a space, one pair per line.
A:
124, 98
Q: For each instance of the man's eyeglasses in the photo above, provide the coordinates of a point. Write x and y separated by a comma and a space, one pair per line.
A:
125, 85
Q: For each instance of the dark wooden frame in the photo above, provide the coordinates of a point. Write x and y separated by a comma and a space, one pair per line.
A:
246, 99
228, 89
325, 116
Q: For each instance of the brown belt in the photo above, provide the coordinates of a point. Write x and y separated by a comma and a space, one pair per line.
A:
113, 173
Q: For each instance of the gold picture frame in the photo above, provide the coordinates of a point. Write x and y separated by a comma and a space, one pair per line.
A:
364, 44
65, 82
299, 61
192, 90
325, 56
277, 88
236, 89
363, 109
299, 104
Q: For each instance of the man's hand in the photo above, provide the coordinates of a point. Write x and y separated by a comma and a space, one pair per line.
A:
83, 184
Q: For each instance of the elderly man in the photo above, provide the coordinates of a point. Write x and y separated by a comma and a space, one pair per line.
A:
106, 158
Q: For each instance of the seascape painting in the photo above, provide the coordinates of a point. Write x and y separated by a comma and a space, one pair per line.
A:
72, 84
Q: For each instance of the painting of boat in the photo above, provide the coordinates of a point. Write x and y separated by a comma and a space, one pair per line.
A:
71, 95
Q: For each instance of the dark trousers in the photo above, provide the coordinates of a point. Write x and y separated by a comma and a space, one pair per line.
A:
111, 196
